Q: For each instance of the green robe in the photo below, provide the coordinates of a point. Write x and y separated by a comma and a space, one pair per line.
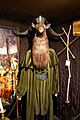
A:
39, 92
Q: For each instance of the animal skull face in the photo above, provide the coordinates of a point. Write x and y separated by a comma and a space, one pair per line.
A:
40, 27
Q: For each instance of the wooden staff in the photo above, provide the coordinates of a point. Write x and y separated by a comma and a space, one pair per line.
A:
68, 45
68, 64
68, 48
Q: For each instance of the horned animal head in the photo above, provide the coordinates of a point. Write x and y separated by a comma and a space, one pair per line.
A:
40, 47
40, 24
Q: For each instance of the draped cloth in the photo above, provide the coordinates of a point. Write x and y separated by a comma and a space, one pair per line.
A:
39, 89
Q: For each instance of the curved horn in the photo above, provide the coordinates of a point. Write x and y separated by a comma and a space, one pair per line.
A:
21, 33
54, 33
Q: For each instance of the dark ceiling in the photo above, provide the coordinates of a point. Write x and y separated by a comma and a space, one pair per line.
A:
57, 12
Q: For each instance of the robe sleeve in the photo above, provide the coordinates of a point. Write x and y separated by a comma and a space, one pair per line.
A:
55, 82
54, 72
26, 75
22, 86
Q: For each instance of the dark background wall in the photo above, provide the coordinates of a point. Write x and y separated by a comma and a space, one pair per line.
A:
62, 110
71, 110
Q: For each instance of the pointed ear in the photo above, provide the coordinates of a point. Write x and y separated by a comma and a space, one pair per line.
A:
33, 25
47, 26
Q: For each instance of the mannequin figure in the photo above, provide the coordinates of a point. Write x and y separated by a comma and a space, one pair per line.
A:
39, 76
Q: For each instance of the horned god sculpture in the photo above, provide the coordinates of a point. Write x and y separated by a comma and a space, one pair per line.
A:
39, 76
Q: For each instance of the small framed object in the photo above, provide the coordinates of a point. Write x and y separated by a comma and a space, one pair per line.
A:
76, 28
9, 61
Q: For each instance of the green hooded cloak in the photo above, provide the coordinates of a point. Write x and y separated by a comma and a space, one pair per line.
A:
40, 85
